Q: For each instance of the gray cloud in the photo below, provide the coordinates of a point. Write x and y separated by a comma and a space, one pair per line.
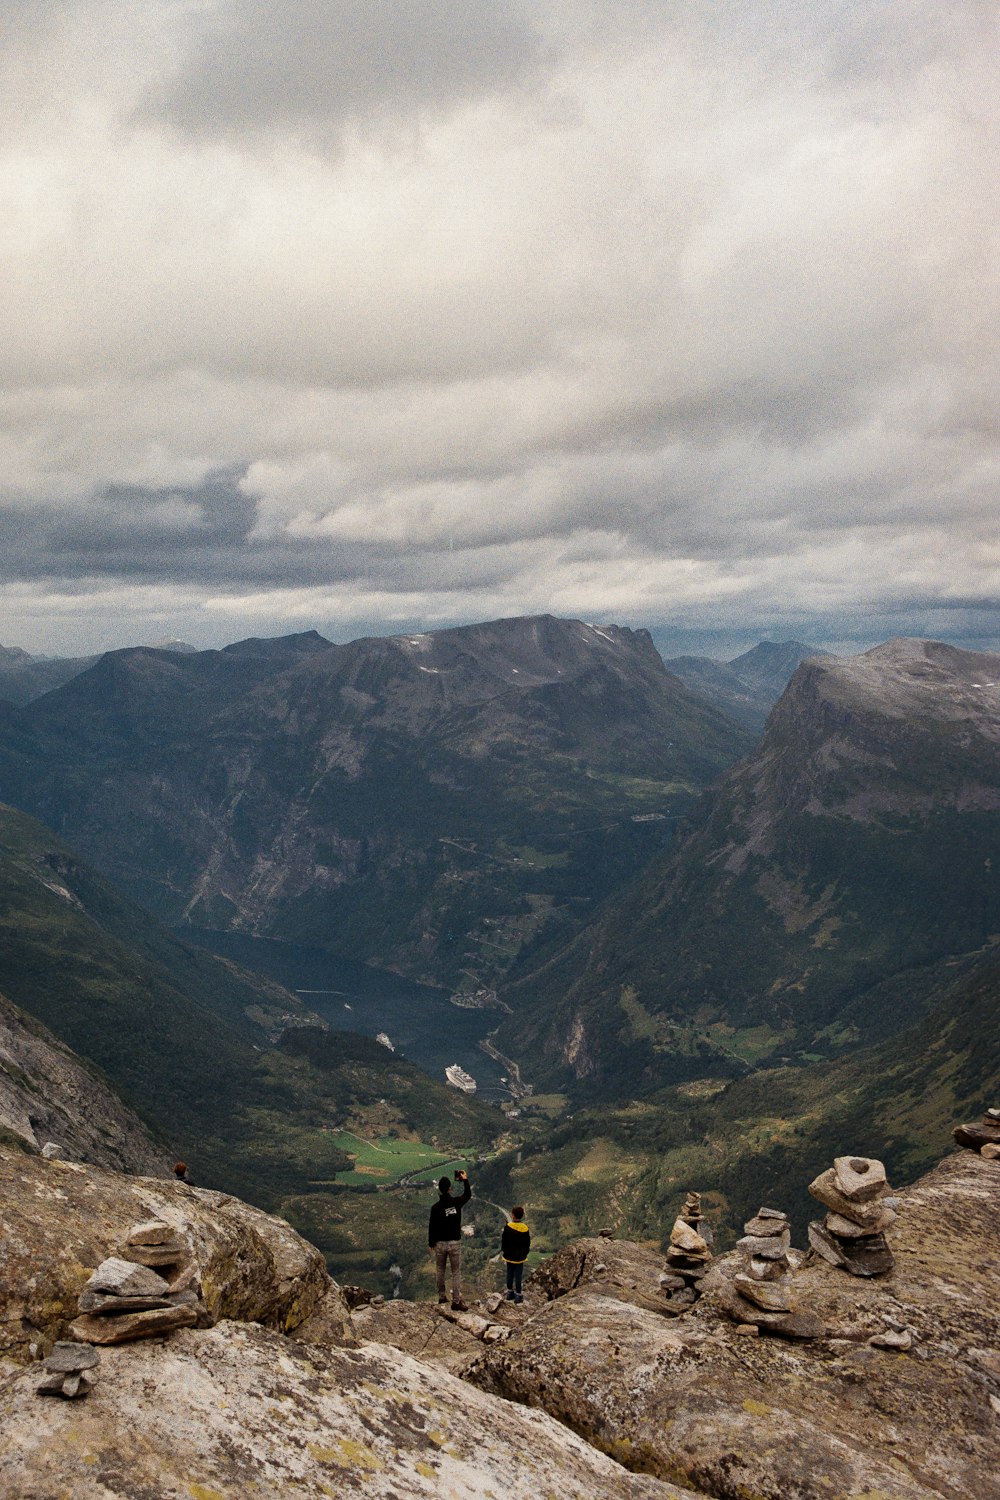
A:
249, 67
367, 314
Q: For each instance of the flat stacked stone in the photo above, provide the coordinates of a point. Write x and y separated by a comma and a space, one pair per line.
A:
852, 1234
155, 1244
69, 1371
978, 1137
691, 1212
688, 1255
126, 1298
760, 1296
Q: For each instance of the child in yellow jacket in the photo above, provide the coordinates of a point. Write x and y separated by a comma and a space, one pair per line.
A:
515, 1242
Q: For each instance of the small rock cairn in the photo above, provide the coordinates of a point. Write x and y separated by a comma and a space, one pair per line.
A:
151, 1288
984, 1137
760, 1297
69, 1371
852, 1234
688, 1256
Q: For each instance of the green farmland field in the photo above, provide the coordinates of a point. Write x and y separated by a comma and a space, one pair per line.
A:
388, 1159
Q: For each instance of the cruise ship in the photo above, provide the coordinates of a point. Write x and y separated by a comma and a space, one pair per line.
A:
460, 1079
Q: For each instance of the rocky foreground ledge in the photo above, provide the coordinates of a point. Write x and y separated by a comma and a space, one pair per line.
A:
589, 1391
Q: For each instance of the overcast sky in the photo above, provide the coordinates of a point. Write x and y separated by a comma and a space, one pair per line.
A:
368, 314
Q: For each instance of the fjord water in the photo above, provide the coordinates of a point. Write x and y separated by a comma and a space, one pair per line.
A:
418, 1019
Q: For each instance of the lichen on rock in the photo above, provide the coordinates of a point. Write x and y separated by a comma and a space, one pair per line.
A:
61, 1220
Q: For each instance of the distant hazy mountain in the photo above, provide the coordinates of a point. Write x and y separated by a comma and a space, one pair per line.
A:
432, 801
830, 876
748, 686
24, 678
171, 643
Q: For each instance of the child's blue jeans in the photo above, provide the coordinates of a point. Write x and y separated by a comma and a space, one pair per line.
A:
514, 1276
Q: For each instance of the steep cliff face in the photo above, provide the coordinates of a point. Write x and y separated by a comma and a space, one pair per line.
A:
391, 797
829, 873
47, 1094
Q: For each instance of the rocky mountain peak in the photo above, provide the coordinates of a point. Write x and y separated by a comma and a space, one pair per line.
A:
916, 680
748, 686
909, 718
526, 651
770, 664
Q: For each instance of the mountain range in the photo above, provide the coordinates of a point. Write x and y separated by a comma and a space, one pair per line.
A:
718, 952
430, 802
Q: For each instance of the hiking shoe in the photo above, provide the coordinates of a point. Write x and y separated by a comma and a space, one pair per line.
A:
442, 1300
460, 1306
518, 1297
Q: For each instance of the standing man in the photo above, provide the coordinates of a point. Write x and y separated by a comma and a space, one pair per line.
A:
444, 1235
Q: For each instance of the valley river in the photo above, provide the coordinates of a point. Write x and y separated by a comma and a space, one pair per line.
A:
418, 1019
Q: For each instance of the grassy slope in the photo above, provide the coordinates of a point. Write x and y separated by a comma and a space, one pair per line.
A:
762, 1138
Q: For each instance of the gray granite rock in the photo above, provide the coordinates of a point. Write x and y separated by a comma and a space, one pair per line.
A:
123, 1327
765, 1247
103, 1304
763, 1226
860, 1178
847, 1229
124, 1278
171, 1253
152, 1232
771, 1296
670, 1283
69, 1386
52, 1152
766, 1270
688, 1240
870, 1256
800, 1323
823, 1242
68, 1358
825, 1189
974, 1137
898, 1339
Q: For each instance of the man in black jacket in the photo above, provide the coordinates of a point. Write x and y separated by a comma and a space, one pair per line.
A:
444, 1235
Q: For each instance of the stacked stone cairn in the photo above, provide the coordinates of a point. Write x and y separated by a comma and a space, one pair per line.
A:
760, 1296
70, 1371
852, 1235
984, 1137
688, 1255
151, 1288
